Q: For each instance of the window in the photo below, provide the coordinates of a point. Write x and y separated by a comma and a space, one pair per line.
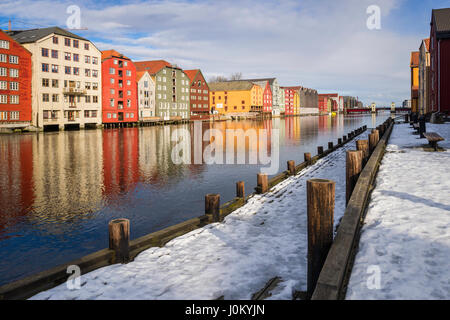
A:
109, 115
125, 63
115, 61
76, 57
14, 73
45, 97
112, 71
88, 99
128, 73
75, 43
87, 86
55, 97
67, 70
55, 68
14, 115
112, 91
94, 60
3, 72
3, 114
86, 46
87, 72
55, 83
112, 80
3, 99
76, 71
55, 54
67, 42
128, 93
95, 73
86, 113
128, 103
55, 40
45, 82
3, 85
128, 83
94, 86
111, 102
14, 59
3, 58
87, 59
44, 52
95, 99
4, 44
67, 56
45, 67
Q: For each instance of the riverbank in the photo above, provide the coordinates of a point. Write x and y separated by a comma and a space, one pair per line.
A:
406, 234
264, 239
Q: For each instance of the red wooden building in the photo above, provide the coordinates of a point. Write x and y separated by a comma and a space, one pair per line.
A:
440, 60
325, 103
267, 98
199, 95
289, 93
119, 90
15, 83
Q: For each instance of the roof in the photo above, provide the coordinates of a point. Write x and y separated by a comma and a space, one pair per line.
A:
140, 74
295, 88
33, 35
238, 85
152, 67
414, 59
442, 22
191, 73
426, 42
9, 37
112, 53
271, 80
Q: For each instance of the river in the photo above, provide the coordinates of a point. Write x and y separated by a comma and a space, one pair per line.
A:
59, 190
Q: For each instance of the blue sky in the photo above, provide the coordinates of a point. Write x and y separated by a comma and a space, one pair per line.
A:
322, 44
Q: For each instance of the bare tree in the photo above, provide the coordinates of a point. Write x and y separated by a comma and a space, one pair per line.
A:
218, 79
236, 76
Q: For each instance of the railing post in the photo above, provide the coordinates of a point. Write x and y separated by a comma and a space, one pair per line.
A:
212, 206
119, 239
353, 169
320, 211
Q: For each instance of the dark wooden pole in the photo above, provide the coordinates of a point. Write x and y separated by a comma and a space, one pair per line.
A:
308, 158
240, 189
263, 182
330, 145
119, 239
363, 145
344, 138
339, 141
212, 206
353, 169
319, 150
291, 167
320, 207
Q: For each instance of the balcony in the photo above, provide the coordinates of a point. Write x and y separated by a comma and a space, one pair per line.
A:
74, 91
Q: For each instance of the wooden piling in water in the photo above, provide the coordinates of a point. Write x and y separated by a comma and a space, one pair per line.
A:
240, 189
319, 150
372, 142
330, 145
262, 183
308, 158
212, 206
344, 138
119, 239
320, 211
353, 169
291, 167
363, 145
339, 141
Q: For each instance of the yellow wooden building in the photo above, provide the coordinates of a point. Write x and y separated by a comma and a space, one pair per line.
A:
235, 97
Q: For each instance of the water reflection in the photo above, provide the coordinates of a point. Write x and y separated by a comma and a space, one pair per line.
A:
58, 190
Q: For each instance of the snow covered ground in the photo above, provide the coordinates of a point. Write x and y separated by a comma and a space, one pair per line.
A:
236, 258
406, 235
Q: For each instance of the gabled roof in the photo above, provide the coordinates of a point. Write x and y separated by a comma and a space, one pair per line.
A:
238, 85
152, 67
427, 44
112, 53
33, 35
441, 19
295, 88
18, 43
139, 75
271, 80
191, 73
414, 59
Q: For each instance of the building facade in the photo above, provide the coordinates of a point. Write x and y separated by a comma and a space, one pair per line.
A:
440, 60
309, 101
281, 101
172, 96
15, 83
424, 77
325, 104
146, 96
199, 95
275, 93
119, 89
66, 78
235, 97
414, 66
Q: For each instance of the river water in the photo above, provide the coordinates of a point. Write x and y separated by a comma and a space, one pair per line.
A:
58, 191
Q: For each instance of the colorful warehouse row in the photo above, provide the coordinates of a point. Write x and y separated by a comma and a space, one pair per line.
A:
430, 68
52, 78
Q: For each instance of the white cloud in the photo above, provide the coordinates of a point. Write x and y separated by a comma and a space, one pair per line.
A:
321, 44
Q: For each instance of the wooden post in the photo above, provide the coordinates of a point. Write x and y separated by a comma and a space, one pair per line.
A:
330, 145
344, 138
308, 158
240, 189
377, 135
291, 167
119, 239
319, 150
212, 206
263, 182
339, 141
353, 169
320, 211
372, 142
363, 145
